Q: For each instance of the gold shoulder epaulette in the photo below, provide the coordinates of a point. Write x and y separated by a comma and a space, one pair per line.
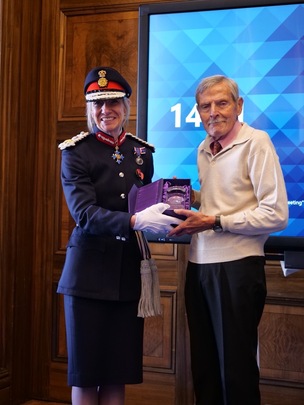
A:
72, 141
141, 141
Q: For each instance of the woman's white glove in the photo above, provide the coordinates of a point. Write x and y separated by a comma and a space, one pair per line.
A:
152, 219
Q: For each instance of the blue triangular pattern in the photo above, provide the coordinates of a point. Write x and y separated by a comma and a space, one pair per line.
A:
282, 139
260, 48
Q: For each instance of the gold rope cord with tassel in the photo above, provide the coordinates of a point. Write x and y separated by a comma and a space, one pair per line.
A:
149, 303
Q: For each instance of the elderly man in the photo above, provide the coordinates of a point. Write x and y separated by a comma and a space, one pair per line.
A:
241, 201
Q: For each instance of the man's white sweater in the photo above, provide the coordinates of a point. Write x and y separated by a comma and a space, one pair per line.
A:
243, 184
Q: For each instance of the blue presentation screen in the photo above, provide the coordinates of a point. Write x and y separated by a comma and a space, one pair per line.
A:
262, 48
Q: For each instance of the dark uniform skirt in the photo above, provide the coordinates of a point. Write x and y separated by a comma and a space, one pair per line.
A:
104, 341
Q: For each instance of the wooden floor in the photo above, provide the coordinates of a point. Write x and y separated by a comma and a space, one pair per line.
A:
271, 398
270, 395
43, 403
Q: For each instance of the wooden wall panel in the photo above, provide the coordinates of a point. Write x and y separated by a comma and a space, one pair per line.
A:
94, 40
44, 224
282, 344
65, 222
19, 67
281, 338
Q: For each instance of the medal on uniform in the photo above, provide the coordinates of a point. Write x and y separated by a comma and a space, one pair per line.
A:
139, 152
139, 160
118, 156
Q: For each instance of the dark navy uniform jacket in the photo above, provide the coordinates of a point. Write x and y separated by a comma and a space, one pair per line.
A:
103, 258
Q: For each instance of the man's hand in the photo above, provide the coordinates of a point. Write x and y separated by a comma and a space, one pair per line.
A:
195, 222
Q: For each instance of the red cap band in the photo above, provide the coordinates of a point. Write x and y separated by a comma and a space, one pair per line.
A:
110, 86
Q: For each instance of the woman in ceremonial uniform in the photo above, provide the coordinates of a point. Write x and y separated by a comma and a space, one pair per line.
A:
101, 276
